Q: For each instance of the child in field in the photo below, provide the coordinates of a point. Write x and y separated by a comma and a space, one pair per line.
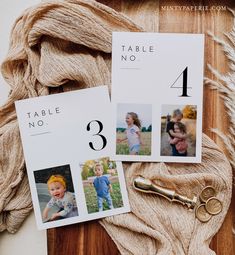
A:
180, 143
177, 117
133, 133
60, 197
103, 187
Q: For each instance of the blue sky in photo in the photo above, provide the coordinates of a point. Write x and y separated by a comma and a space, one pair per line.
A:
168, 109
144, 112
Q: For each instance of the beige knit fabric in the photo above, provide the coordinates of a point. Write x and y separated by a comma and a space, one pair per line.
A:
55, 43
156, 226
64, 45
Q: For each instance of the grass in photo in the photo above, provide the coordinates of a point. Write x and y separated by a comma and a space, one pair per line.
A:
101, 185
178, 130
55, 193
134, 129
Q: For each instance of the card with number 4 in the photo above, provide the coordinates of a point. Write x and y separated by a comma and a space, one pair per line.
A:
157, 94
66, 143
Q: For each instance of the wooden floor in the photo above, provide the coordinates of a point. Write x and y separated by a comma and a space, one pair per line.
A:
90, 238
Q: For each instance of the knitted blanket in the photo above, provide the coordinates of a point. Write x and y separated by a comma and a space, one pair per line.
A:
58, 43
156, 226
65, 45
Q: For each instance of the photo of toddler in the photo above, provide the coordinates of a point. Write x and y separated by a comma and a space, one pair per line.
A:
61, 198
133, 129
56, 195
103, 187
133, 133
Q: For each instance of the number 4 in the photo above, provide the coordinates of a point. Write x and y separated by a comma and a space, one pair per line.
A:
185, 83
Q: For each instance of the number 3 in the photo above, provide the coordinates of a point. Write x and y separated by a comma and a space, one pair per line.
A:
104, 140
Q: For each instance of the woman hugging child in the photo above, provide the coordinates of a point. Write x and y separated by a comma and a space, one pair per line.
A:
178, 135
181, 144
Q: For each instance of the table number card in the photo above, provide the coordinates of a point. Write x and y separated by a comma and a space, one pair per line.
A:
157, 90
66, 142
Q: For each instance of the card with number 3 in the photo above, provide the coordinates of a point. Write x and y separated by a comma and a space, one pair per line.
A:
66, 143
157, 94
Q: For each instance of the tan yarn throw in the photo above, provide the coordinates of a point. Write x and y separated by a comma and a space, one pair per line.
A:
156, 226
64, 45
55, 43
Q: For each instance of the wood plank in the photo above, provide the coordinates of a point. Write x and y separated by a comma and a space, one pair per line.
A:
217, 22
90, 237
82, 239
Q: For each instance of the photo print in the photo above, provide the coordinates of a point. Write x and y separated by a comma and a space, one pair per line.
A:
178, 130
57, 128
133, 129
148, 73
55, 191
101, 184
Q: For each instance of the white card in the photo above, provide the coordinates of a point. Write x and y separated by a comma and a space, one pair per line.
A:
66, 142
157, 80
